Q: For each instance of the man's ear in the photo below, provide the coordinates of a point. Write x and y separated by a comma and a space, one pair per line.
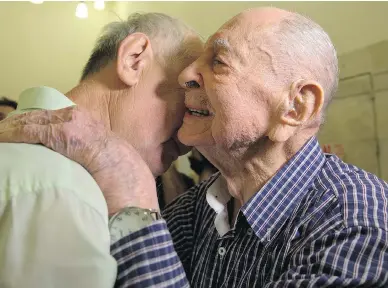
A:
133, 55
299, 105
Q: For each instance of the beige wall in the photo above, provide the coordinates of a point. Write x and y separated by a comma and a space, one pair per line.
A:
45, 44
357, 118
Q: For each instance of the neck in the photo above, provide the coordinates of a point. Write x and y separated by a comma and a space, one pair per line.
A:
93, 97
258, 166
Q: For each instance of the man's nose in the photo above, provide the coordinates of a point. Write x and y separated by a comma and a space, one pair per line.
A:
190, 78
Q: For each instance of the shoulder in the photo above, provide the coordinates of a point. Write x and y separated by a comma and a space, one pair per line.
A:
27, 169
362, 196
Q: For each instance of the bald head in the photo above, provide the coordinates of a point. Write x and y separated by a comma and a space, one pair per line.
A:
308, 51
298, 47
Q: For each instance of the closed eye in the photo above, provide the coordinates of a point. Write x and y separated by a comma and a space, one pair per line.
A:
217, 62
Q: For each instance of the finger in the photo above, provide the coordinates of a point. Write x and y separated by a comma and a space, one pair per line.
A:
30, 134
62, 115
39, 117
34, 117
46, 117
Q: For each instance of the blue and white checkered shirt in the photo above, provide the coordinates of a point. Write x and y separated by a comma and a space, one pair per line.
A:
317, 223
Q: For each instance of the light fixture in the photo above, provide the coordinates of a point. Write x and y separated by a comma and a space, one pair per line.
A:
99, 4
82, 10
36, 1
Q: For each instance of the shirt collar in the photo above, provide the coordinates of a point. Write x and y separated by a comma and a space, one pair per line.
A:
39, 98
217, 197
270, 208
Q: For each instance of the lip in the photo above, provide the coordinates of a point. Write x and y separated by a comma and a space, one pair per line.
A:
192, 107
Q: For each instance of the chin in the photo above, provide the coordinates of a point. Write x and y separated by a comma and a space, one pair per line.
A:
187, 139
202, 139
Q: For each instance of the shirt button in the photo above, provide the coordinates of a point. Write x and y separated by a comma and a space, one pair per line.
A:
249, 231
221, 251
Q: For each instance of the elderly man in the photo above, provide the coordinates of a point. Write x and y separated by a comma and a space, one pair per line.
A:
280, 213
53, 216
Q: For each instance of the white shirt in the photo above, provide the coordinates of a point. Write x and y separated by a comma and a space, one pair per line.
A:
53, 216
217, 197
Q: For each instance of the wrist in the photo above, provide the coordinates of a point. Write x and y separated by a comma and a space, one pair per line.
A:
130, 220
123, 177
114, 209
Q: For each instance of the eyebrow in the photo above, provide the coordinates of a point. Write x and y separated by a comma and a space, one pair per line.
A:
221, 44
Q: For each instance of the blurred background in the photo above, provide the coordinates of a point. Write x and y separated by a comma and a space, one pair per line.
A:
48, 44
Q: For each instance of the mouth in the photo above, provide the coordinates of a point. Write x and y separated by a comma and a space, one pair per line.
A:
199, 112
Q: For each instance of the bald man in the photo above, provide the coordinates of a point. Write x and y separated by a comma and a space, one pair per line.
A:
280, 213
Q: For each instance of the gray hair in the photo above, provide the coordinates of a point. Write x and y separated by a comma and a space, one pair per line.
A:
311, 52
166, 34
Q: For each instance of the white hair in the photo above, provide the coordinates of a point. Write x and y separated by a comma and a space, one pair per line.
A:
166, 34
307, 52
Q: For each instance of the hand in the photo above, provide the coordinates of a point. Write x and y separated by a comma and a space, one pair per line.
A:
118, 169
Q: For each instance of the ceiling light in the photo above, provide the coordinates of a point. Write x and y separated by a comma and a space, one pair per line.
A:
82, 10
99, 4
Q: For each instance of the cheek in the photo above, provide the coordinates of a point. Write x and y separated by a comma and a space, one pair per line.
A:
239, 126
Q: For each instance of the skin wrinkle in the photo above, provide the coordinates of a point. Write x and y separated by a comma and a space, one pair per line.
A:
221, 44
268, 54
261, 120
255, 129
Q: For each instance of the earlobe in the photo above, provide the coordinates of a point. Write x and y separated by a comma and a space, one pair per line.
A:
133, 54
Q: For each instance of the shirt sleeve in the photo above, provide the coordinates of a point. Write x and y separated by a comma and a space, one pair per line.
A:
157, 256
180, 218
353, 257
53, 239
146, 258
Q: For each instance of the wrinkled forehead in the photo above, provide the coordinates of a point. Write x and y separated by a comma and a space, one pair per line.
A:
232, 36
245, 29
227, 41
245, 38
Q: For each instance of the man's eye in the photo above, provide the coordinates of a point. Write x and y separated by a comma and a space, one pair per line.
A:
217, 62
